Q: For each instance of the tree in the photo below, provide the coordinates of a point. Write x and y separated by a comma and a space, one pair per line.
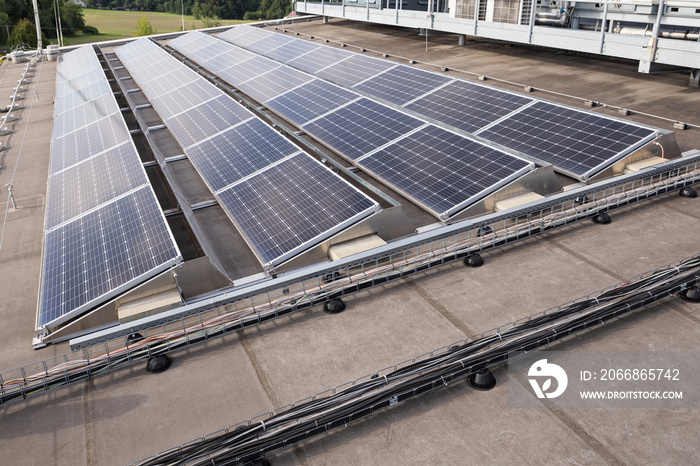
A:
273, 9
23, 33
4, 19
208, 22
144, 28
72, 19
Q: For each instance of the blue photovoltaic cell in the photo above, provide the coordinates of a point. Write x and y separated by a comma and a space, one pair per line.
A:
569, 139
215, 64
169, 82
207, 119
84, 80
92, 183
253, 170
402, 84
273, 83
184, 98
292, 50
467, 106
240, 73
235, 55
214, 48
361, 127
291, 204
245, 35
309, 101
182, 40
80, 96
90, 140
269, 43
92, 244
235, 33
355, 69
96, 254
319, 58
440, 169
84, 114
238, 152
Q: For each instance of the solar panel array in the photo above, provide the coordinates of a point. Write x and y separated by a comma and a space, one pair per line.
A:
577, 143
282, 200
104, 230
366, 132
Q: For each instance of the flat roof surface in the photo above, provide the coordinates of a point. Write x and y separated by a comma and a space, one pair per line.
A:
130, 414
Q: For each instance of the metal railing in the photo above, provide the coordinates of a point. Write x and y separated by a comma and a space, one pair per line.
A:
236, 309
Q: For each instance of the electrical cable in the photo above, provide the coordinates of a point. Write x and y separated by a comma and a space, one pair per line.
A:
69, 371
298, 422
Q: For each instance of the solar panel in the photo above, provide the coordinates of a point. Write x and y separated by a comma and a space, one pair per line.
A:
273, 83
213, 49
235, 33
102, 253
355, 69
238, 152
104, 230
319, 58
80, 96
91, 139
309, 101
269, 43
214, 64
245, 35
79, 82
92, 183
574, 141
292, 205
252, 153
292, 50
444, 171
402, 84
168, 82
182, 40
84, 114
206, 119
361, 127
240, 73
467, 106
180, 100
235, 55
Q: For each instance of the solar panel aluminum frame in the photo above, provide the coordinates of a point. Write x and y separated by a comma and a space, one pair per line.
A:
445, 216
601, 167
314, 241
270, 266
113, 293
611, 161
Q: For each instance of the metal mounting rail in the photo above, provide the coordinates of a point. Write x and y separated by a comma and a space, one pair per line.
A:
239, 308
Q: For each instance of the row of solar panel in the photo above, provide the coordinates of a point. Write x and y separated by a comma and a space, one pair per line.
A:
281, 199
575, 142
438, 169
105, 231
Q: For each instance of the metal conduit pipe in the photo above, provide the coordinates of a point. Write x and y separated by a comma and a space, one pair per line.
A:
682, 35
630, 31
558, 19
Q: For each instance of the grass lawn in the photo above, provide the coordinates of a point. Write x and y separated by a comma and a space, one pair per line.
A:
119, 24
